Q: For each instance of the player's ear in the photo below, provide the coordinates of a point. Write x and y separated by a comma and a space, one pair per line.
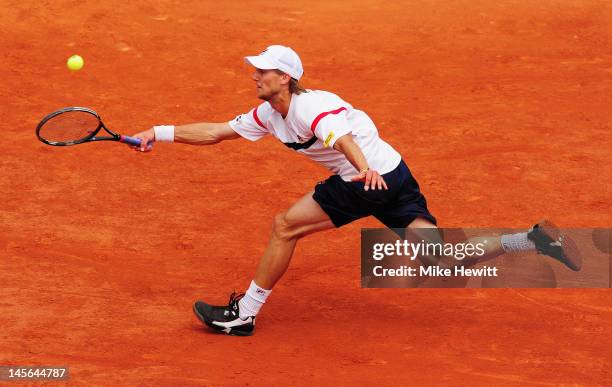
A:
285, 79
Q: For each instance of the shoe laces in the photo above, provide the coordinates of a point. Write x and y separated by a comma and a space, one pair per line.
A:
233, 301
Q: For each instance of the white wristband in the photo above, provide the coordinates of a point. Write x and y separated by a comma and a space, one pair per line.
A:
164, 133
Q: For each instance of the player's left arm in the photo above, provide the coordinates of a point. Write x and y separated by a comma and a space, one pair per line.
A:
355, 156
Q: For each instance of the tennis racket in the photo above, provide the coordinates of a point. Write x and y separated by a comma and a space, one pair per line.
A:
76, 125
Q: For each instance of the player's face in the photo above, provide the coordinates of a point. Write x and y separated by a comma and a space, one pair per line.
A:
268, 83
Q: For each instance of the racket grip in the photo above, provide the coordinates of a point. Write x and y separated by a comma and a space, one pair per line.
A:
130, 140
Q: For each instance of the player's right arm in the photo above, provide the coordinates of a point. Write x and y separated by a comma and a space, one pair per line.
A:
202, 133
248, 125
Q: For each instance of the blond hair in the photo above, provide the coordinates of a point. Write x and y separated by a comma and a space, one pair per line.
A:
294, 85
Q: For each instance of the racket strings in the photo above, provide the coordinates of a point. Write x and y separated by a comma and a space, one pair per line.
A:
69, 127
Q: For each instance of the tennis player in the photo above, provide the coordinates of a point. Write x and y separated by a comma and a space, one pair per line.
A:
368, 177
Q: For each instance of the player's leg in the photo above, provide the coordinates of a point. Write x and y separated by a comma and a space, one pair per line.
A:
408, 215
238, 318
410, 209
303, 218
421, 229
543, 238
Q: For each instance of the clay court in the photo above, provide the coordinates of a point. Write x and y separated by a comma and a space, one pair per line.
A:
500, 108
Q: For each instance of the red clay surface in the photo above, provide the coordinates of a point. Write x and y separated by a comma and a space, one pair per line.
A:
501, 109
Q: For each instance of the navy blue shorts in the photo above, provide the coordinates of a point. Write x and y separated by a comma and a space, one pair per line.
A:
397, 207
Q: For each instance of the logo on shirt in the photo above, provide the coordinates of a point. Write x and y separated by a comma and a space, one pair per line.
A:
328, 139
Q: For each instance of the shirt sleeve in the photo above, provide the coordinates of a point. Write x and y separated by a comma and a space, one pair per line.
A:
330, 125
249, 125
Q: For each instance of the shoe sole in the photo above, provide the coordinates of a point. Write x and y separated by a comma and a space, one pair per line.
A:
573, 258
217, 328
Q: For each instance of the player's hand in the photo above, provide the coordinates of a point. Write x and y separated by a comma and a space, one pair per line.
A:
147, 138
373, 180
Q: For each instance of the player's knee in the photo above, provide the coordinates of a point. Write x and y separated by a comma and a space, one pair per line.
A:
282, 227
432, 243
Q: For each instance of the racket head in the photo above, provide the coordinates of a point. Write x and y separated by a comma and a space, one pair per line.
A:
70, 126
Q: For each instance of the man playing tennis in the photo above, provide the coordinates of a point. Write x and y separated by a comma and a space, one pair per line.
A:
369, 178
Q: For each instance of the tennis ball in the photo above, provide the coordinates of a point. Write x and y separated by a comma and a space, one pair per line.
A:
75, 63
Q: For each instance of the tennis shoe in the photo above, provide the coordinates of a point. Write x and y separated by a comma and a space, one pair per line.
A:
225, 319
550, 241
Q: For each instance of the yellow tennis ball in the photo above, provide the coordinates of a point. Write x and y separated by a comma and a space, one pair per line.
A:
75, 63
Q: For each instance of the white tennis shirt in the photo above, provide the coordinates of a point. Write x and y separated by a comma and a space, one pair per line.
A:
315, 121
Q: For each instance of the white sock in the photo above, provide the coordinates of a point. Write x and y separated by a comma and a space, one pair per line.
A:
516, 242
253, 300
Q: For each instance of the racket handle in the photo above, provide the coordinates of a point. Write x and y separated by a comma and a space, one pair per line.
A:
130, 140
